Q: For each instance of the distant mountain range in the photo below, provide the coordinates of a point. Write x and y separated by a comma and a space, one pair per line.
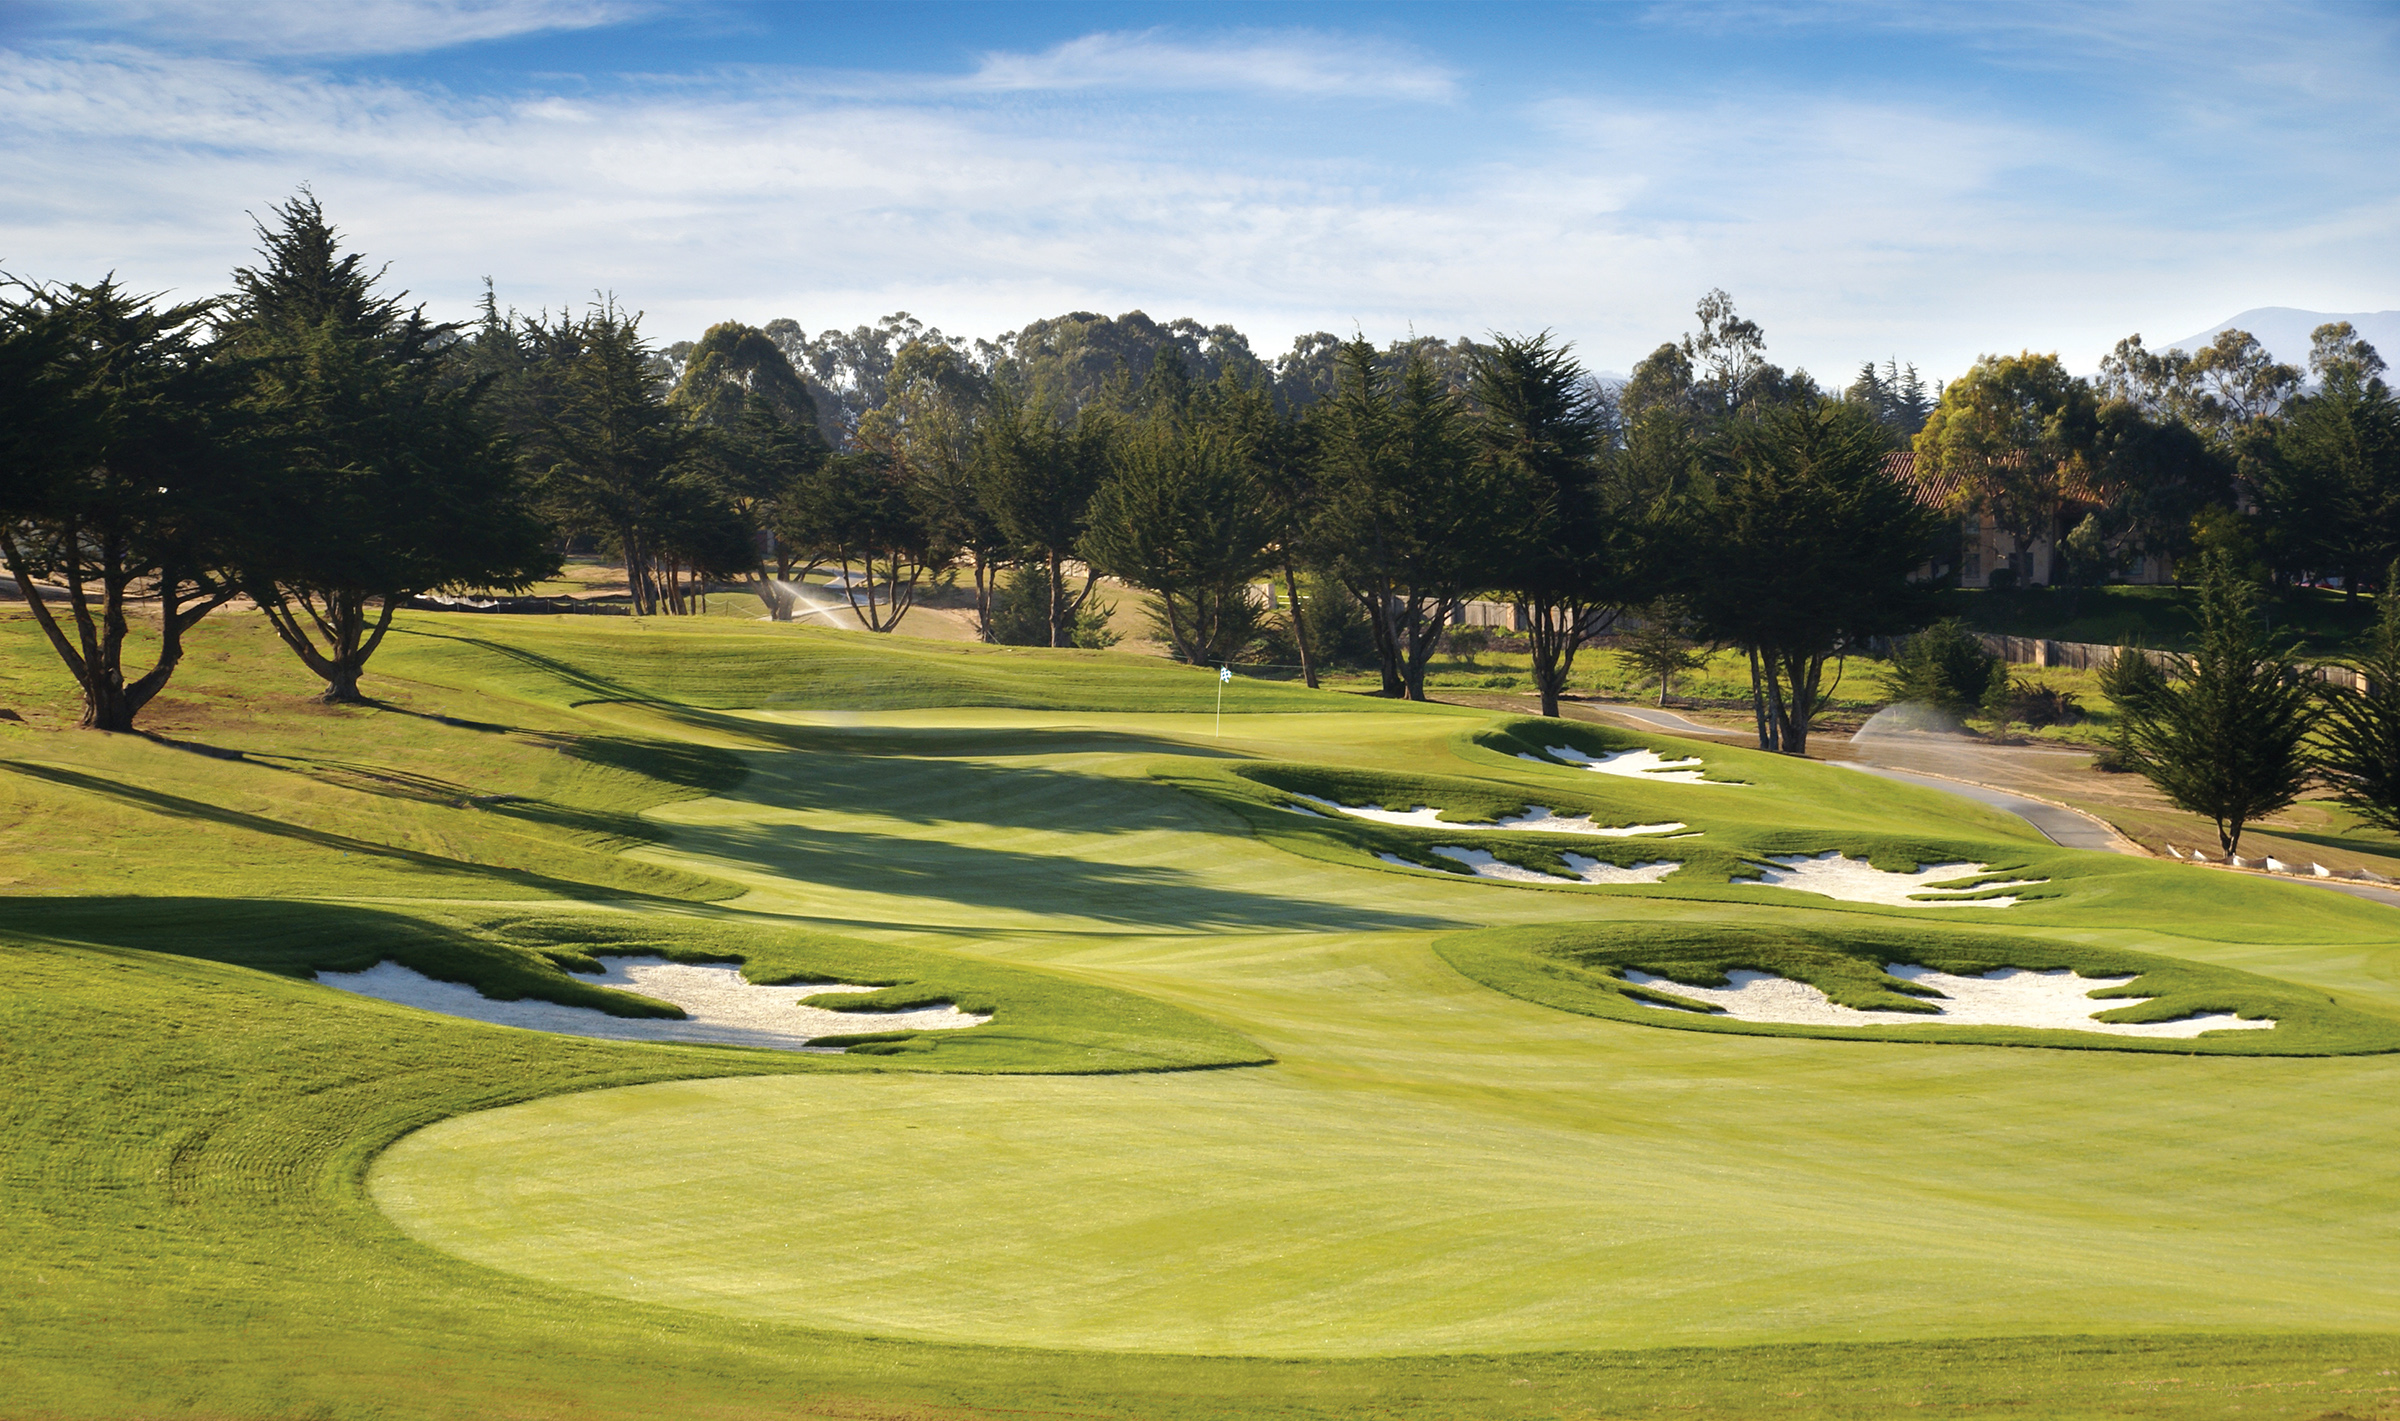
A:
2284, 331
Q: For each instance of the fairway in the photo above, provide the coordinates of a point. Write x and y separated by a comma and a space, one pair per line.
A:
1428, 1166
1249, 1090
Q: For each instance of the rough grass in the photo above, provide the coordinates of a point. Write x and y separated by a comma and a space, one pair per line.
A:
1580, 968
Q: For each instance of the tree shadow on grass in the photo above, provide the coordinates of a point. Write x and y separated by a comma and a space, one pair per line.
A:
181, 807
289, 937
921, 790
961, 742
1143, 895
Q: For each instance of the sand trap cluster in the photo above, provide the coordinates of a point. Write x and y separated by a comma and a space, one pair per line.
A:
1632, 764
1535, 820
1837, 876
1585, 869
2006, 996
724, 1008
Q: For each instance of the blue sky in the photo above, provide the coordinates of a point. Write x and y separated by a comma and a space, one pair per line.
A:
1868, 180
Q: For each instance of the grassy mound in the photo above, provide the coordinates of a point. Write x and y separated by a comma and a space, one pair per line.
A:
1040, 1022
1532, 738
1716, 851
1267, 797
1580, 968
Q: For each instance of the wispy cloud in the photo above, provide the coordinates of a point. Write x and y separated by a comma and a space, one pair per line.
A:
1851, 225
352, 27
1299, 64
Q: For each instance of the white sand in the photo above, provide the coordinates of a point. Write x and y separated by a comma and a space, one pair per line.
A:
1586, 870
1633, 764
1535, 819
723, 1007
1858, 881
2006, 996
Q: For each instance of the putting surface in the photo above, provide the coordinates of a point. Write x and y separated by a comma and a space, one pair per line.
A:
1430, 1165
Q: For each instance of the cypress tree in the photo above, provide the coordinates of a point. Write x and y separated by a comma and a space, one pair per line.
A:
2362, 725
2225, 739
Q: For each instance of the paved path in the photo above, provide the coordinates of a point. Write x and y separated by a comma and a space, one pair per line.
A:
1654, 719
2068, 828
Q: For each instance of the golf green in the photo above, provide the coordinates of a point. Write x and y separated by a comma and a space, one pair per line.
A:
1429, 1165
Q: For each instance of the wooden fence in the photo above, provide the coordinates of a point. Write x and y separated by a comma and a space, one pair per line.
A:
2090, 655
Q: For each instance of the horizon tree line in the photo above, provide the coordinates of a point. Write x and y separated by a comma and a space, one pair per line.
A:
328, 452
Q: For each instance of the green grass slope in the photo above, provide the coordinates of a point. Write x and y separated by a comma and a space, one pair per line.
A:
236, 1193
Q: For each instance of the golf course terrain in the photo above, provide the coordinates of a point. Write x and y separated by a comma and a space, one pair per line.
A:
1345, 1058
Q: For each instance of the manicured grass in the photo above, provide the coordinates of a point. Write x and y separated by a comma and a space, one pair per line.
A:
713, 664
1040, 1022
1581, 968
242, 783
1440, 1200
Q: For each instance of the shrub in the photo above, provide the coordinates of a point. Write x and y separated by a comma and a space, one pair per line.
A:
1467, 643
1946, 667
1338, 632
2037, 704
1021, 613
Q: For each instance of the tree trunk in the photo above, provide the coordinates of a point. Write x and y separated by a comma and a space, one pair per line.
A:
1058, 599
1758, 703
1378, 602
1557, 630
1424, 633
96, 658
987, 574
1308, 662
106, 707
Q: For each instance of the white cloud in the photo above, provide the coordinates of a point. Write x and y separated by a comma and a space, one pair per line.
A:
1849, 227
342, 27
1288, 63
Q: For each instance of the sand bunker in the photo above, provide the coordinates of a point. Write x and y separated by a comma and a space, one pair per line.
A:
2006, 996
1536, 820
1633, 764
724, 1008
1858, 881
1586, 870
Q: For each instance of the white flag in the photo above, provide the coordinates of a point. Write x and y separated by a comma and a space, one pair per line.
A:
1224, 673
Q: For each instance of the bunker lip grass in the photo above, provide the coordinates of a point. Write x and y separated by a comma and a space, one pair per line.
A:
2058, 999
721, 1007
1933, 885
1848, 978
1534, 819
1582, 868
1644, 765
